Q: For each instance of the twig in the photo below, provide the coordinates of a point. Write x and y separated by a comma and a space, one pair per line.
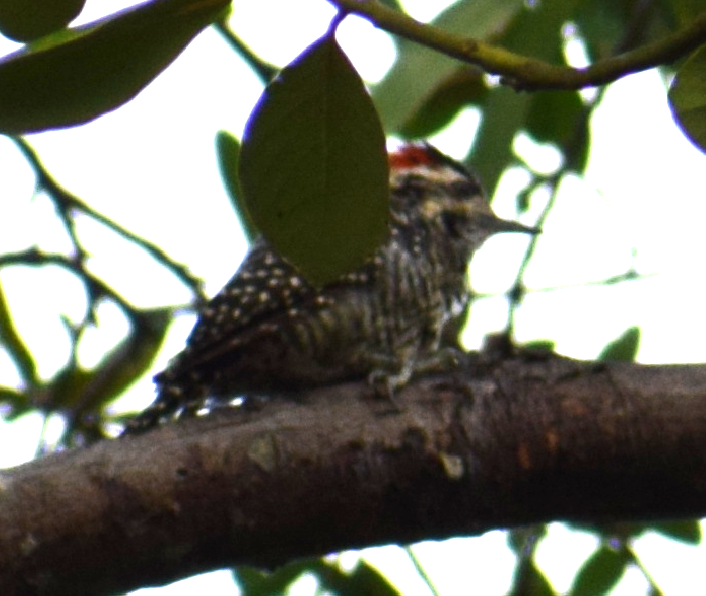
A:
15, 346
421, 571
66, 201
524, 72
95, 287
264, 70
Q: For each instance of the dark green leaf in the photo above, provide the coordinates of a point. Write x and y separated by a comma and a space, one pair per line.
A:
684, 530
135, 355
249, 579
313, 165
80, 390
536, 31
464, 87
504, 115
601, 25
76, 75
25, 20
623, 348
622, 531
228, 154
254, 582
364, 579
419, 72
528, 580
600, 573
554, 117
683, 12
687, 98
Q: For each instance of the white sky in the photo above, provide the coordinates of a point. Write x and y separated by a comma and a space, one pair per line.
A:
151, 166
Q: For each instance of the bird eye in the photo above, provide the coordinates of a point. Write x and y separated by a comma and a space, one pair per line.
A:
451, 224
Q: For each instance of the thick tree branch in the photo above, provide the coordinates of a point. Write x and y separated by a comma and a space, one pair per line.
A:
514, 441
523, 72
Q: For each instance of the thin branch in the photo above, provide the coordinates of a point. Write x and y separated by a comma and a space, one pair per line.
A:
524, 72
419, 568
95, 287
66, 201
655, 590
14, 344
264, 70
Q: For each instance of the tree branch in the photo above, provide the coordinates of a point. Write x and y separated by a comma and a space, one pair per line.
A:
494, 445
523, 72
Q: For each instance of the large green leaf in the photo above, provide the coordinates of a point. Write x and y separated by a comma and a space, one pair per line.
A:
24, 20
687, 98
76, 75
419, 71
313, 165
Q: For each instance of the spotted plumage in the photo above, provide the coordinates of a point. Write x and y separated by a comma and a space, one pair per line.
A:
270, 331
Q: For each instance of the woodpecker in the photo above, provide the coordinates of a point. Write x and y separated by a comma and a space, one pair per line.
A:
269, 331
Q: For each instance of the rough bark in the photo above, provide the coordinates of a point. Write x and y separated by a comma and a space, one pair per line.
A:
494, 445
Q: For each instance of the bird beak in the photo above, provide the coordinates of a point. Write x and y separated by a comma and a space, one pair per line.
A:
498, 225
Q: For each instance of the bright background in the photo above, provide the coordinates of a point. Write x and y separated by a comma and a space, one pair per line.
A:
151, 166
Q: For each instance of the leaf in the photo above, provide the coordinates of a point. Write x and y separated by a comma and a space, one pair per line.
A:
364, 579
463, 88
80, 390
25, 20
553, 117
76, 75
503, 116
528, 580
684, 530
687, 98
601, 572
601, 24
621, 531
623, 348
313, 165
540, 345
534, 31
683, 12
419, 73
254, 582
228, 154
